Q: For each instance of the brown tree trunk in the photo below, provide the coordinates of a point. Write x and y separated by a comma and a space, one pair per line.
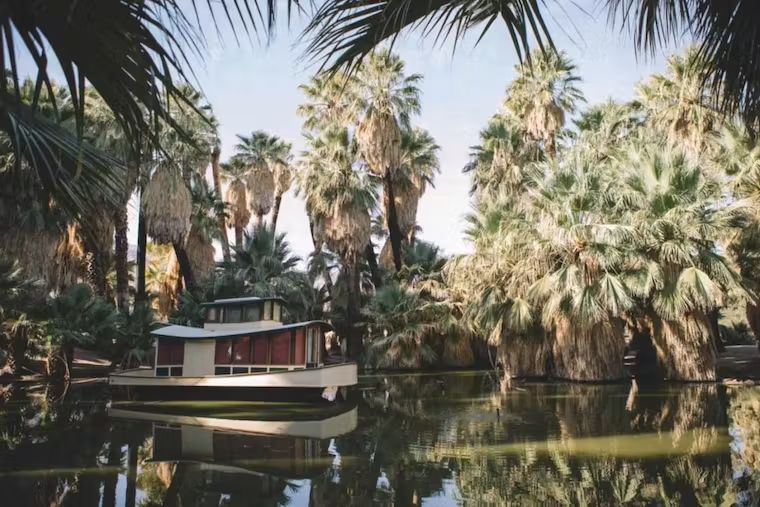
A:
142, 253
218, 189
318, 248
369, 254
121, 251
238, 237
353, 310
276, 211
753, 319
551, 146
185, 267
391, 219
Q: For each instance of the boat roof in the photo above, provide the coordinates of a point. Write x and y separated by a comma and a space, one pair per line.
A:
230, 301
198, 333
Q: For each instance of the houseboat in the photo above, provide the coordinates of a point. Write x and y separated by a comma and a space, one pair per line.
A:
244, 351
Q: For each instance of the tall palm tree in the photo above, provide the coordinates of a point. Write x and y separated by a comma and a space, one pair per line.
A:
262, 154
167, 200
236, 197
328, 102
216, 174
679, 104
541, 96
339, 197
417, 169
384, 98
501, 163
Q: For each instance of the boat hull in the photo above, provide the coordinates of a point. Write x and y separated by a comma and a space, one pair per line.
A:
303, 384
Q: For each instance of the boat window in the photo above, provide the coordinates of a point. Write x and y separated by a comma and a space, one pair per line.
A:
176, 371
223, 352
281, 348
241, 350
221, 370
212, 315
253, 313
267, 310
239, 369
162, 372
276, 311
170, 352
234, 315
300, 352
260, 350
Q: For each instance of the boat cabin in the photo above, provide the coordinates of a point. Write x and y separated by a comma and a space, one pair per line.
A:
240, 336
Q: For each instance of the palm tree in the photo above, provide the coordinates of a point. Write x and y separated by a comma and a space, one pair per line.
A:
418, 167
107, 134
339, 197
345, 31
543, 92
167, 201
679, 104
328, 102
237, 197
501, 163
680, 276
264, 155
403, 329
739, 156
384, 98
130, 51
216, 174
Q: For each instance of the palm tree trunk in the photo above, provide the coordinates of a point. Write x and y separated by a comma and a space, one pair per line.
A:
391, 218
369, 253
353, 310
551, 146
326, 272
142, 251
97, 268
238, 237
276, 211
121, 251
185, 267
218, 189
753, 319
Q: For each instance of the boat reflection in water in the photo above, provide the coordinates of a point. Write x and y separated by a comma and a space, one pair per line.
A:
234, 453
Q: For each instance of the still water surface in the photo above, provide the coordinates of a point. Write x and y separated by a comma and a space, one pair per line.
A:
443, 439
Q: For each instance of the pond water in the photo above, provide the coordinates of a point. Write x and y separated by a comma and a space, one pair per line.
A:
429, 439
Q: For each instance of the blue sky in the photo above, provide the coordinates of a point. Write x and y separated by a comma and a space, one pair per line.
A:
256, 87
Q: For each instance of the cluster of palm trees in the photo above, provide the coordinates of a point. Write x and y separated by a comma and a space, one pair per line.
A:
632, 228
361, 149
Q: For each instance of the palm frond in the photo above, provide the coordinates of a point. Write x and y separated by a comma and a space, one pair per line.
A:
344, 31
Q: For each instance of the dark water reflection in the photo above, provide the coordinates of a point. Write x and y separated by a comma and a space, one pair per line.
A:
408, 440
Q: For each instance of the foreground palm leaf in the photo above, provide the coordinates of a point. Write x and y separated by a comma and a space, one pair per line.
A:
343, 31
130, 51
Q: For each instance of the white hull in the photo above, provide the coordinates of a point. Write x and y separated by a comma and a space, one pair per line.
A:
338, 375
320, 429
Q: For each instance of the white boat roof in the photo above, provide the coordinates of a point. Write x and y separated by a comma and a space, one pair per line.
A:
198, 333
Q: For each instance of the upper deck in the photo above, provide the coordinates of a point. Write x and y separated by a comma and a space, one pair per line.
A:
241, 314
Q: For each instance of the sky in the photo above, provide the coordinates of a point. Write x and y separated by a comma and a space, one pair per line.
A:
255, 86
